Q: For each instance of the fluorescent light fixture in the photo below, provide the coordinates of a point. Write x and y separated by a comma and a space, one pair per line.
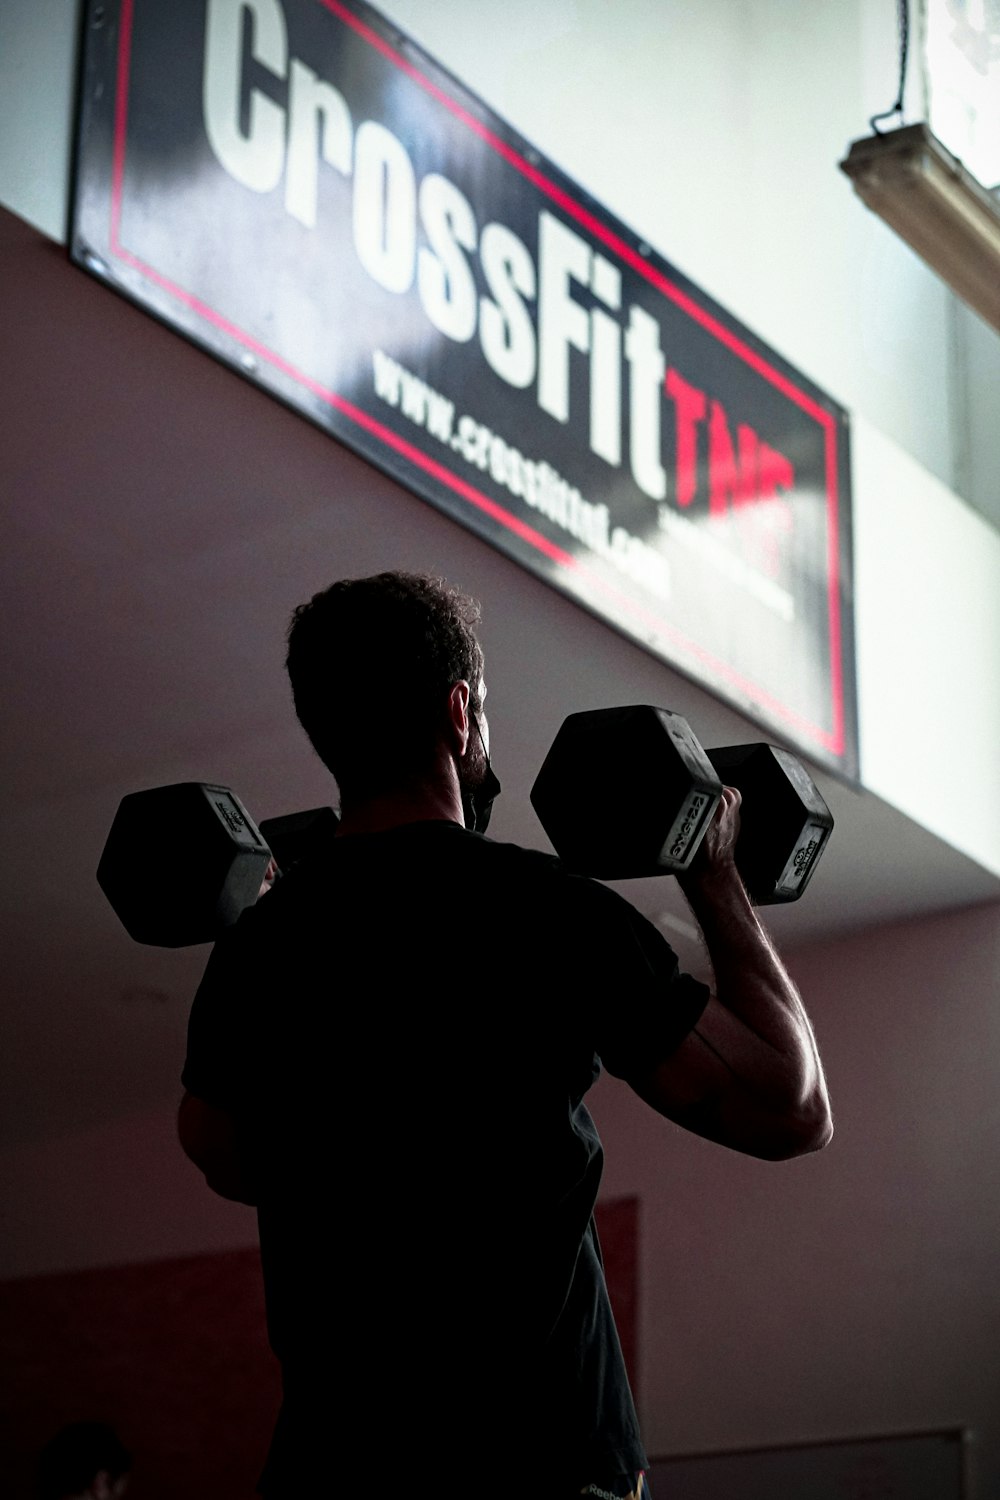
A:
925, 194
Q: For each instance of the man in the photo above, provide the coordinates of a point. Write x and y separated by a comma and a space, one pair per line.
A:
389, 1057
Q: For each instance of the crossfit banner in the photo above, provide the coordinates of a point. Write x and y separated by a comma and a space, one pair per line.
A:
297, 187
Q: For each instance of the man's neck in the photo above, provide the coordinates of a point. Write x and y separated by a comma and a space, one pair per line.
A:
432, 802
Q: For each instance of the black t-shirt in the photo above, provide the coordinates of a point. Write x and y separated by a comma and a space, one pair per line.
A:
405, 1029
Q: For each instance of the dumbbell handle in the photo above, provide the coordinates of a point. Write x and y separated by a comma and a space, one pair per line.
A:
784, 821
630, 792
294, 835
183, 862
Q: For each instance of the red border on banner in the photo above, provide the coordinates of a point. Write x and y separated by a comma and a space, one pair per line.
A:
832, 740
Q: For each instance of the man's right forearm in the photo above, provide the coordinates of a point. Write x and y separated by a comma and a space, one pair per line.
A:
748, 1075
774, 1051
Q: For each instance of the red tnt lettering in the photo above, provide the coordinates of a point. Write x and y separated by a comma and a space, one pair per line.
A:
729, 481
747, 479
690, 407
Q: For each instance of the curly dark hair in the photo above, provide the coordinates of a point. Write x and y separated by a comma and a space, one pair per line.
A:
371, 662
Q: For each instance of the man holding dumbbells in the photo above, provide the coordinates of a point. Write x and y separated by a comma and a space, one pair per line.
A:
389, 1057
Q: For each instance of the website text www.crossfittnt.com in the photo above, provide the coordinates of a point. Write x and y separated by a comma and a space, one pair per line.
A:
534, 481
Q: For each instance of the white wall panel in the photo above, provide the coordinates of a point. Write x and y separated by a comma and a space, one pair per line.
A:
928, 623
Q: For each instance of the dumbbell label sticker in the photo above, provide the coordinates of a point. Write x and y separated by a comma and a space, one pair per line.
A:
684, 832
798, 868
239, 825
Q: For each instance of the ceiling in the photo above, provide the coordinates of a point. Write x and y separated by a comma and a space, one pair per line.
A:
165, 518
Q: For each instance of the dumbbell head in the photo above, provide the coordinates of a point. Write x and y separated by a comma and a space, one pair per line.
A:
181, 863
625, 792
784, 821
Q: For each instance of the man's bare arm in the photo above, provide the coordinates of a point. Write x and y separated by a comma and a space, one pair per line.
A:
749, 1076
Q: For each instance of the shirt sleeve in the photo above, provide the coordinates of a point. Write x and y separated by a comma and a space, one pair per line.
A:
646, 1005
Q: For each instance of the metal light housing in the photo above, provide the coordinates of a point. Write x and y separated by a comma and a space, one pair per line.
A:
944, 213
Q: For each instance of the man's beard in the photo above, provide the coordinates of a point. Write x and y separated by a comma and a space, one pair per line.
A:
474, 764
477, 782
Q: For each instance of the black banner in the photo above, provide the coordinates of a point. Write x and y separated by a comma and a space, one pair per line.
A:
301, 190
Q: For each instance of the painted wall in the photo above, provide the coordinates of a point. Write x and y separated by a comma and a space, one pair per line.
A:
38, 49
927, 615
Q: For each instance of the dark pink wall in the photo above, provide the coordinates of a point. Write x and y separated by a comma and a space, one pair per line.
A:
174, 1354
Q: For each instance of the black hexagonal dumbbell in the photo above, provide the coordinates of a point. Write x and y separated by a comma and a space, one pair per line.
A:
785, 823
625, 791
182, 862
629, 792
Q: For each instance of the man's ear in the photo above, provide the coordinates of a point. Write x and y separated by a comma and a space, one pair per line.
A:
458, 714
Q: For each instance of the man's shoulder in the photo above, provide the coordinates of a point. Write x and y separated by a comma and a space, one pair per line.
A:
535, 864
539, 870
418, 861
